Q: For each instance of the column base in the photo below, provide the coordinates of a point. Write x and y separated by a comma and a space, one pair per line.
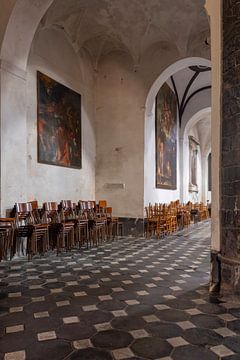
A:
215, 276
230, 277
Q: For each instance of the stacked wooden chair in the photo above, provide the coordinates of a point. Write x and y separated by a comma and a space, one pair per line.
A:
7, 228
32, 228
155, 224
61, 232
163, 219
99, 223
71, 213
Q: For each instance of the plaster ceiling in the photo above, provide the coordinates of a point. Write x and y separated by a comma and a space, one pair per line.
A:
132, 26
203, 130
183, 77
189, 84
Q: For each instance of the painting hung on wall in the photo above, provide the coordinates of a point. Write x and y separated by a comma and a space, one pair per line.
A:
166, 139
59, 124
193, 164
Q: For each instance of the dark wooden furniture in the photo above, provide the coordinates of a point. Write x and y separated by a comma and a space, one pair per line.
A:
61, 232
27, 226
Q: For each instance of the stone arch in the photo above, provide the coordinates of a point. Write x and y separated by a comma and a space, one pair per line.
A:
21, 27
185, 131
150, 191
165, 75
195, 118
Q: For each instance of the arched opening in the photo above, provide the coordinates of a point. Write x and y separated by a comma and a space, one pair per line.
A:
198, 128
16, 43
195, 108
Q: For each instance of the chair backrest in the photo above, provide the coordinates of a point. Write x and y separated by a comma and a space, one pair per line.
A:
23, 214
68, 210
66, 204
36, 212
23, 207
82, 205
109, 211
51, 212
50, 206
102, 204
34, 204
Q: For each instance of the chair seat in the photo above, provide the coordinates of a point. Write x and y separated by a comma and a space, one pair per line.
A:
41, 226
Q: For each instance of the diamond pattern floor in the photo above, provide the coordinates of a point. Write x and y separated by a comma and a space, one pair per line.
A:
130, 299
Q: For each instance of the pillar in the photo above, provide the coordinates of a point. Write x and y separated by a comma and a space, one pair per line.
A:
214, 9
230, 150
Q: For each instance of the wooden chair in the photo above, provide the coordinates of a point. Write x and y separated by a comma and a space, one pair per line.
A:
27, 227
102, 204
98, 228
61, 232
7, 229
155, 224
203, 212
71, 213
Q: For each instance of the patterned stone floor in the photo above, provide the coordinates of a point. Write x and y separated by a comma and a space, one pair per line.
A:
130, 299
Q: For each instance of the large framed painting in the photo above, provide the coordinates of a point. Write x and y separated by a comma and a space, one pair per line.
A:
59, 124
166, 138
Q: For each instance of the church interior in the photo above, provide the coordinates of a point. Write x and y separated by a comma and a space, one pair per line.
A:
119, 180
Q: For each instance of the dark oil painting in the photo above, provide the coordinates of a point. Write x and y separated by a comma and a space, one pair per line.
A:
59, 124
166, 139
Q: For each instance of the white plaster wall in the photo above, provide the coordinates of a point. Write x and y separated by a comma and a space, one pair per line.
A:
53, 55
152, 194
120, 98
13, 139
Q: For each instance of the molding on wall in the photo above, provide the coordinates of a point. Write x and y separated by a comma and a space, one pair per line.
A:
13, 69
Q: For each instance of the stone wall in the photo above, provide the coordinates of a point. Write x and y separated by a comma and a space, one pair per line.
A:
230, 147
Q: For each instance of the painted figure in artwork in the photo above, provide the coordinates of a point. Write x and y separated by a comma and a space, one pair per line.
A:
59, 124
166, 138
193, 159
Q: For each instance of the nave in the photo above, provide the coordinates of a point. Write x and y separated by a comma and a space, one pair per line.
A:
129, 299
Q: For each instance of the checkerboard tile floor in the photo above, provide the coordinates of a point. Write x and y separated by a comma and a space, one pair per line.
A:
129, 299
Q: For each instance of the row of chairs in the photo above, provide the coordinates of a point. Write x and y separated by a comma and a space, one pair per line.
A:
164, 219
61, 226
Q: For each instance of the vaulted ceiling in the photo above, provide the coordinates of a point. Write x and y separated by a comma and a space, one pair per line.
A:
132, 26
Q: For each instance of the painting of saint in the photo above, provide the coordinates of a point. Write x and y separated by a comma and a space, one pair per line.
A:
193, 158
166, 138
59, 124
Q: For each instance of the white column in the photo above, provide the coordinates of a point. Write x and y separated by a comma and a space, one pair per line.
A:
214, 10
181, 168
204, 179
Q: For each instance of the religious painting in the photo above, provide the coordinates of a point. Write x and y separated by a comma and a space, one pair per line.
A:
59, 124
166, 138
193, 164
